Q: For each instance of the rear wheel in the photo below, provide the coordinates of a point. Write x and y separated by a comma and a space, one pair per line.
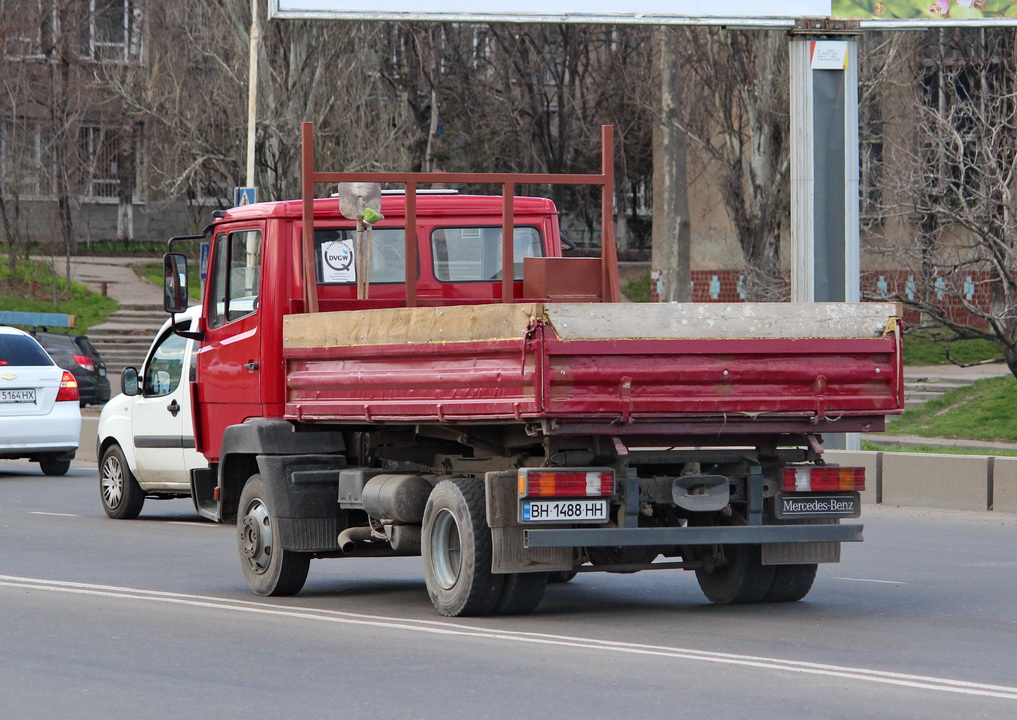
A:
268, 568
122, 497
742, 579
456, 549
561, 576
521, 593
52, 466
791, 583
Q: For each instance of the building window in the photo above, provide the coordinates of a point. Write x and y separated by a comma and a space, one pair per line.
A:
23, 160
109, 158
111, 32
100, 150
26, 27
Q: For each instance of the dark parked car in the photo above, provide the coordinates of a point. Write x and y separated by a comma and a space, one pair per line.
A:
77, 354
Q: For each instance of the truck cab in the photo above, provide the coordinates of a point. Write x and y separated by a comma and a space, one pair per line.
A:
255, 262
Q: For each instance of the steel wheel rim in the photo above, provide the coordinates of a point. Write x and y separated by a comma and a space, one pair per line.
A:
256, 537
446, 549
112, 482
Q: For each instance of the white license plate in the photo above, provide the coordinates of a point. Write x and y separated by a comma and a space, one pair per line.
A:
572, 510
18, 395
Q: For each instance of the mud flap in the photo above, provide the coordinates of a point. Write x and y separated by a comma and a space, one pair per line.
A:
508, 553
802, 553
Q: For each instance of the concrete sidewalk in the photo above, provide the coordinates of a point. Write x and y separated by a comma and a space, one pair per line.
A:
112, 274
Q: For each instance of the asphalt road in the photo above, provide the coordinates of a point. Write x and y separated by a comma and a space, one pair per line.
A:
151, 618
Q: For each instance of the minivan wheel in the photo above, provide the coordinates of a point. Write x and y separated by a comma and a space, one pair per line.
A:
122, 497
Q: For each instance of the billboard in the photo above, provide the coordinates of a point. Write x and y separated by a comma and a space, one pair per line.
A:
712, 12
737, 13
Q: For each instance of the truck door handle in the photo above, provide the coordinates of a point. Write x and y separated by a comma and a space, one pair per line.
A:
173, 407
252, 366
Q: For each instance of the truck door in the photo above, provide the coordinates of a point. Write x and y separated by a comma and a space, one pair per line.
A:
229, 388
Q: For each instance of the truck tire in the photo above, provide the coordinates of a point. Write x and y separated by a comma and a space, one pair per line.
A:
122, 497
742, 580
521, 593
561, 576
268, 568
456, 549
791, 583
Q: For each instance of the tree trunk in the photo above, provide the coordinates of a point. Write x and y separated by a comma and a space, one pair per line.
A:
672, 230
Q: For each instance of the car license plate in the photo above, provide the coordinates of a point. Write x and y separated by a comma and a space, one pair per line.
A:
816, 506
571, 510
17, 395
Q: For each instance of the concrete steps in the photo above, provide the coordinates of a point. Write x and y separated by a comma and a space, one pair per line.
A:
920, 390
127, 334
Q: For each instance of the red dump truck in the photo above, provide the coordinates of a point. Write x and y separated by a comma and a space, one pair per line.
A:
433, 378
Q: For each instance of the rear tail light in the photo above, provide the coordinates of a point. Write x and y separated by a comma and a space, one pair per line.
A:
68, 389
85, 362
821, 478
548, 482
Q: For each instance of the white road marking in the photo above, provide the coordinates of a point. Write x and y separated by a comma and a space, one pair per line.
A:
187, 522
884, 582
447, 628
52, 514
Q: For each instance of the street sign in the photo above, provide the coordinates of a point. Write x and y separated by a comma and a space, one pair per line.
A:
244, 196
203, 260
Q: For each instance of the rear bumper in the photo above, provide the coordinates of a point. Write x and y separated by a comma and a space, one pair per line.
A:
726, 535
58, 431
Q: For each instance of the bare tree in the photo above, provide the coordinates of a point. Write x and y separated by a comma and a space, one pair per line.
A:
193, 104
527, 99
953, 185
736, 100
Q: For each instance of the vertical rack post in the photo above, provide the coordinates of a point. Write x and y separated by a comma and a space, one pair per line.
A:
307, 216
608, 251
508, 268
411, 244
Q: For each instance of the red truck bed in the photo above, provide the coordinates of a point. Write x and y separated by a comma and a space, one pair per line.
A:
602, 368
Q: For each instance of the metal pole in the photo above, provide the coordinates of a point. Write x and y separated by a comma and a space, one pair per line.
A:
252, 90
803, 207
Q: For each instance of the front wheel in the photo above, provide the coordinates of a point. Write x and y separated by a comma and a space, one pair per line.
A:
456, 549
268, 568
122, 497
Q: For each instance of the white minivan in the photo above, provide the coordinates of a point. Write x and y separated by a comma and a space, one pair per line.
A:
146, 436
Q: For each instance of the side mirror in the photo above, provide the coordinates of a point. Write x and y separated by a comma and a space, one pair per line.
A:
174, 277
129, 384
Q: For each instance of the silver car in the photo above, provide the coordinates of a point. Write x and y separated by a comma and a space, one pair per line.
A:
40, 417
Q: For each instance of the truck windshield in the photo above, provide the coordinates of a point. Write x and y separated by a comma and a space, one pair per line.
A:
337, 249
473, 254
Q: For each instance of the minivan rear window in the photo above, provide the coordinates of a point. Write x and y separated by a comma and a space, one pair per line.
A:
21, 350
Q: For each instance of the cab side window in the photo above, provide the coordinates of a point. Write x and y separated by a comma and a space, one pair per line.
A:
236, 276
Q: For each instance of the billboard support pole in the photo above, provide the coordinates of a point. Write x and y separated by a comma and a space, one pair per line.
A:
825, 233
